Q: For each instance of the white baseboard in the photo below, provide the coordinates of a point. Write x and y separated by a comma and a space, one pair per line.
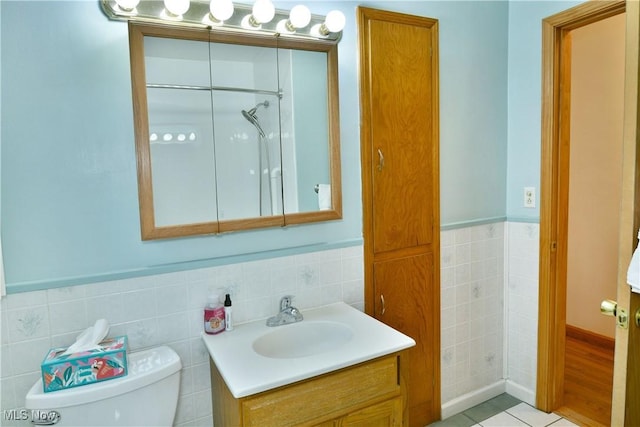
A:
519, 392
469, 400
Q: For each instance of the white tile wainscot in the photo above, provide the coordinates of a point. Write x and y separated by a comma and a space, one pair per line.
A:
472, 315
522, 312
482, 268
167, 309
489, 316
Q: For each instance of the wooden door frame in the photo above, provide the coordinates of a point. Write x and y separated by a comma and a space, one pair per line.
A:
626, 375
556, 69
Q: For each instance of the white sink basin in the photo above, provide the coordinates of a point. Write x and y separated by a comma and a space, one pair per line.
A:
302, 339
254, 357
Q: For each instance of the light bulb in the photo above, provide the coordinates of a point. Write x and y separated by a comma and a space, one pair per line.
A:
176, 7
127, 5
263, 11
221, 9
334, 22
300, 16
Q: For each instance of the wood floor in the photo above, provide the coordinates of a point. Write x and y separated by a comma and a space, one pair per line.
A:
588, 381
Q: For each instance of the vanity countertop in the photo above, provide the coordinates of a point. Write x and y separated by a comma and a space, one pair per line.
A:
247, 372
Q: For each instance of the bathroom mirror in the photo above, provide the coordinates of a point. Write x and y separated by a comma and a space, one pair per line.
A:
233, 131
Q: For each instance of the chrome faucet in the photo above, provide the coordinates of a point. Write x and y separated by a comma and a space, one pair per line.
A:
288, 313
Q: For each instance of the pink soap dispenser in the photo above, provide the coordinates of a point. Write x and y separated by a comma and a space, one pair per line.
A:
213, 315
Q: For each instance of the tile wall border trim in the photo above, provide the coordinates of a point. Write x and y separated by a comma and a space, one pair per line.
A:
491, 220
472, 223
14, 288
524, 219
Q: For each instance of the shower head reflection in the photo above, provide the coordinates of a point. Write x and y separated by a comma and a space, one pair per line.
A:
253, 118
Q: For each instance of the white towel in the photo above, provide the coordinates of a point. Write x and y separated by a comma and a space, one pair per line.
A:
633, 273
3, 288
324, 197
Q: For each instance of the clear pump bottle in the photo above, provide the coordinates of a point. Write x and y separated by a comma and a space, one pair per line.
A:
228, 321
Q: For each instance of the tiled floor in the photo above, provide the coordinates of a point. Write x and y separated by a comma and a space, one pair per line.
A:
503, 411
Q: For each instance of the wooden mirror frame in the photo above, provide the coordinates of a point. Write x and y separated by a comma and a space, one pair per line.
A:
149, 229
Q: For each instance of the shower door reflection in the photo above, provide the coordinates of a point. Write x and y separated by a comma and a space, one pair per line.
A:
248, 155
181, 148
180, 138
246, 124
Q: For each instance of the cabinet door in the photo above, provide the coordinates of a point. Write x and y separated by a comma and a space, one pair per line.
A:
301, 403
402, 140
405, 300
385, 414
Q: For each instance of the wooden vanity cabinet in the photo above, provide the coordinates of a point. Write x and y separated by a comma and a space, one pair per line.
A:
383, 414
369, 394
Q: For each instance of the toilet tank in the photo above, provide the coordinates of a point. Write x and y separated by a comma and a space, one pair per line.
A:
147, 396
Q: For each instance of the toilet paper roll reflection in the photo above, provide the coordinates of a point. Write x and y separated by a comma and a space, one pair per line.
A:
324, 197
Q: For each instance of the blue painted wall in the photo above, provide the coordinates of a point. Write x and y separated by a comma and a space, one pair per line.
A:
525, 101
473, 105
69, 193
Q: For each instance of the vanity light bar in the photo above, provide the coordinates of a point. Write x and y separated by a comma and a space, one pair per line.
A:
166, 138
259, 18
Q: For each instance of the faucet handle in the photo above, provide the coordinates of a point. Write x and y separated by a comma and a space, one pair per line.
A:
285, 302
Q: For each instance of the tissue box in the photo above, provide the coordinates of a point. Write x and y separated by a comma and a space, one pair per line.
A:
105, 362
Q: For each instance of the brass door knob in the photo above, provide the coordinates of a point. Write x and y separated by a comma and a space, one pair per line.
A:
608, 307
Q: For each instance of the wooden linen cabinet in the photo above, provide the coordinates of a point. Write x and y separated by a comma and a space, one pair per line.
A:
400, 184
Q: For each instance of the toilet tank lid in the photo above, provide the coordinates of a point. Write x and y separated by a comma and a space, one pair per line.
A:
144, 368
